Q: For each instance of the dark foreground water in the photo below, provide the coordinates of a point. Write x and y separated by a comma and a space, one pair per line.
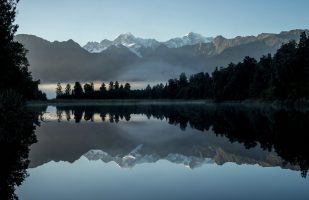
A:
159, 152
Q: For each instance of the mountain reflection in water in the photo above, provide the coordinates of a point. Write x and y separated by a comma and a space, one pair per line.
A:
129, 135
266, 136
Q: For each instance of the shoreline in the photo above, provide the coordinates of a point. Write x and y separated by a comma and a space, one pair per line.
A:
107, 102
298, 105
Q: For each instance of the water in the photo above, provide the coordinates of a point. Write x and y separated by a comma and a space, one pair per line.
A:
166, 152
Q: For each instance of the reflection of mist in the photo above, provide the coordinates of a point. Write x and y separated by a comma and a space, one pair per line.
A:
69, 116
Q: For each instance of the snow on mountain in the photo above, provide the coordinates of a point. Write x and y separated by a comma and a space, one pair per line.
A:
96, 47
189, 39
135, 43
134, 158
128, 40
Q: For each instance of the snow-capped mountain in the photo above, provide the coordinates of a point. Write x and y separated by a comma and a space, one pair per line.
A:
189, 39
96, 47
128, 40
212, 155
134, 157
135, 43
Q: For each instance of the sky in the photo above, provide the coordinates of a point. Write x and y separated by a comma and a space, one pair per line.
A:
95, 20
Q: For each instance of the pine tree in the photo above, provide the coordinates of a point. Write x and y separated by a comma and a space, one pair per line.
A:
68, 90
127, 86
183, 80
111, 86
14, 74
89, 90
116, 85
103, 88
78, 90
59, 91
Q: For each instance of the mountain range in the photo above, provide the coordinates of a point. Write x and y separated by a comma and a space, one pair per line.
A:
130, 58
135, 44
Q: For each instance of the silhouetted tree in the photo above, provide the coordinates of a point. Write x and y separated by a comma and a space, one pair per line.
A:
68, 90
127, 87
78, 90
17, 125
148, 92
111, 86
183, 80
103, 91
59, 92
14, 74
103, 87
116, 86
260, 84
88, 90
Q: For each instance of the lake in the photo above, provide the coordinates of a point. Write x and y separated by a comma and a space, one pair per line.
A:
158, 151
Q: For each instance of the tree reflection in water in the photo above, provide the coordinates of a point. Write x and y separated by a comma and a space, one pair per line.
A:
17, 128
285, 131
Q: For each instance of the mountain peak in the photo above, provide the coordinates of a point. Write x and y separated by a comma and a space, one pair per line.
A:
190, 39
68, 43
220, 37
71, 41
126, 36
126, 39
192, 34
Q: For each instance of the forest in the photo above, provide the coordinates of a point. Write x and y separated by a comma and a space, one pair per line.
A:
283, 76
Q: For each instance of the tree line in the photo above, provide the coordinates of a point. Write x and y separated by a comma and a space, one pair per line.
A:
285, 75
112, 90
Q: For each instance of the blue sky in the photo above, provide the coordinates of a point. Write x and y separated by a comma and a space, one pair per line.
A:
94, 20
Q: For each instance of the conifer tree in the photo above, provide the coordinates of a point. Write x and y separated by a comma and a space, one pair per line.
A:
14, 74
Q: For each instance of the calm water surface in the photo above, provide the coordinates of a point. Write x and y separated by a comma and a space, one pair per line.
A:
167, 152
